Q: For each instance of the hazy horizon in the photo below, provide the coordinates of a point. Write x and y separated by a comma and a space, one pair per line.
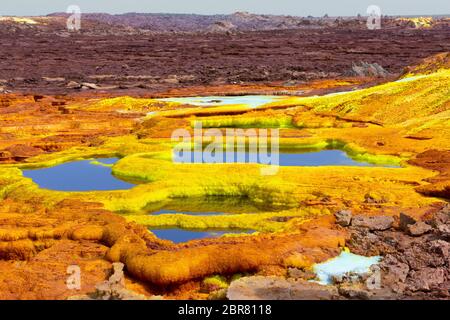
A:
279, 7
220, 14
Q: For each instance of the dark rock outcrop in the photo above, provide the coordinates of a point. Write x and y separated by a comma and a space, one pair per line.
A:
365, 69
416, 257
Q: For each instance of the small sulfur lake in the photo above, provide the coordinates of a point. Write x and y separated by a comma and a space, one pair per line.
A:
250, 101
84, 175
177, 235
285, 158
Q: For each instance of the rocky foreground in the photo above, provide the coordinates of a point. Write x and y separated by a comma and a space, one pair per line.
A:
415, 263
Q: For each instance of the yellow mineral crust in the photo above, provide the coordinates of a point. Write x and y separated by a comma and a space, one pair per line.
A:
19, 20
419, 22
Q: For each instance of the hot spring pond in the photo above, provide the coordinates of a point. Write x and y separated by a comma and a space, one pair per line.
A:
189, 213
183, 235
84, 175
214, 101
306, 159
95, 174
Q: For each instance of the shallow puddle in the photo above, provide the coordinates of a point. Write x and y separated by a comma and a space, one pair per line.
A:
183, 235
346, 262
305, 159
190, 213
214, 101
84, 175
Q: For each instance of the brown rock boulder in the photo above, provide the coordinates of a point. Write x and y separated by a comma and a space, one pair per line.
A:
444, 231
399, 270
113, 288
278, 288
405, 221
373, 223
343, 217
354, 292
419, 228
426, 279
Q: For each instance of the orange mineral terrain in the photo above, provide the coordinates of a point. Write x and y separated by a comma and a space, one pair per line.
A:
95, 202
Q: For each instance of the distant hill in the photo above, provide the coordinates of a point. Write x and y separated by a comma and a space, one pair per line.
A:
243, 21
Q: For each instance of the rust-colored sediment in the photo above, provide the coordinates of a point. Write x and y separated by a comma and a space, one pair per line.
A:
438, 161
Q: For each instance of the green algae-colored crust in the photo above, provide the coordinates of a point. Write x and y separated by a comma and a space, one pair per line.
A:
262, 222
216, 282
101, 164
247, 122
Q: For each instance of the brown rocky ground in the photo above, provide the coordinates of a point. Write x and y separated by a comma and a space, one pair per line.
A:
416, 253
45, 58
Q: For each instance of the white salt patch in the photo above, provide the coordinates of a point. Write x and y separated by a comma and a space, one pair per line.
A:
411, 78
344, 263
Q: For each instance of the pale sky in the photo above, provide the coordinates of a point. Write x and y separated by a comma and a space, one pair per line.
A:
288, 7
